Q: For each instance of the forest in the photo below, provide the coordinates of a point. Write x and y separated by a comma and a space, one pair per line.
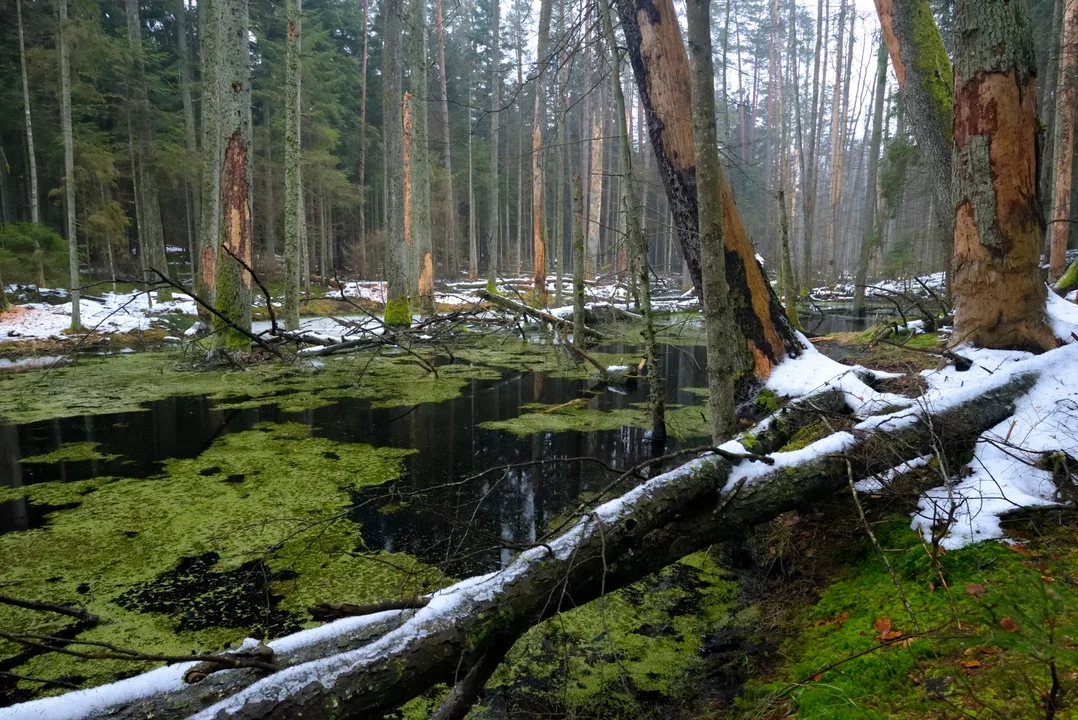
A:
696, 359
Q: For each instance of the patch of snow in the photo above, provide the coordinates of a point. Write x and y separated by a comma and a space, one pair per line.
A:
111, 313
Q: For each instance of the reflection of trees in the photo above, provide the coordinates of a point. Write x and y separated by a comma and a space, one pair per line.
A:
13, 513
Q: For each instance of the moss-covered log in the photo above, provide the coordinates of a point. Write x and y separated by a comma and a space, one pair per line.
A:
655, 524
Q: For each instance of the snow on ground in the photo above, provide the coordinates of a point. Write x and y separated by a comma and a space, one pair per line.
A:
1003, 475
112, 313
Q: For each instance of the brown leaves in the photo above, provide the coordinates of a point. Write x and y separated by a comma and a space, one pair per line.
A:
975, 589
1008, 624
838, 621
885, 633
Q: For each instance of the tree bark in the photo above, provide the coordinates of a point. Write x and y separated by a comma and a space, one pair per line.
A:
809, 169
838, 123
362, 170
998, 235
35, 213
153, 235
661, 67
538, 236
69, 166
443, 134
232, 294
186, 81
416, 133
870, 235
1066, 91
293, 212
923, 70
208, 234
493, 247
669, 517
397, 311
718, 321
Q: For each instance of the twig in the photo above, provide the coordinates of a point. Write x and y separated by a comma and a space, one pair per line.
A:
43, 681
75, 612
258, 281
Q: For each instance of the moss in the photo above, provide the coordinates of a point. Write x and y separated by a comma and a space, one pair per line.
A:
932, 63
682, 421
606, 657
767, 401
72, 452
271, 497
985, 583
806, 436
398, 313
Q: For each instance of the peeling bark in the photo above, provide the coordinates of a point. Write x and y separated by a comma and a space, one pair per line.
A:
998, 235
1066, 97
538, 236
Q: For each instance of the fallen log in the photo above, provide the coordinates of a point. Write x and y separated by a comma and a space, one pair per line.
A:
546, 317
704, 502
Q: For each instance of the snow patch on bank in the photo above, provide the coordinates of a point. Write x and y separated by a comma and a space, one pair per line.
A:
111, 313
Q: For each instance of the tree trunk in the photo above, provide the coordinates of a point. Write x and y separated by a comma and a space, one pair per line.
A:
232, 295
538, 238
669, 517
69, 167
396, 311
208, 234
661, 67
595, 193
443, 135
35, 213
578, 261
837, 123
495, 111
186, 81
362, 171
518, 28
1067, 89
638, 244
999, 294
293, 211
923, 70
870, 235
718, 321
271, 206
153, 236
418, 162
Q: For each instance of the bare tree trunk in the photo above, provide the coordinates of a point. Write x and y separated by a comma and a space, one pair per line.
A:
999, 294
870, 236
923, 69
718, 320
661, 67
293, 193
1066, 96
208, 237
232, 295
538, 237
443, 135
397, 311
416, 135
638, 244
271, 206
362, 171
595, 194
186, 81
837, 122
153, 237
473, 243
518, 29
495, 110
35, 213
69, 167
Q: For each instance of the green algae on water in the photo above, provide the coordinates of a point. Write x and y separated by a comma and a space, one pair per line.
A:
272, 498
71, 452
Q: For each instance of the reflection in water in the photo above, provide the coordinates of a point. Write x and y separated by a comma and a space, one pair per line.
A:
816, 323
431, 512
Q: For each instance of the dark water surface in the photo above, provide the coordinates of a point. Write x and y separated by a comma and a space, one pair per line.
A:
461, 527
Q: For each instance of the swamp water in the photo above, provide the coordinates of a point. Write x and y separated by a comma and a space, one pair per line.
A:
200, 517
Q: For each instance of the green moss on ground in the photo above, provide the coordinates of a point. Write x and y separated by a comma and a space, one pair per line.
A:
984, 648
272, 496
71, 452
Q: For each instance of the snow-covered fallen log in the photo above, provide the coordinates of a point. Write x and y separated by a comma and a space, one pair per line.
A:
706, 501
